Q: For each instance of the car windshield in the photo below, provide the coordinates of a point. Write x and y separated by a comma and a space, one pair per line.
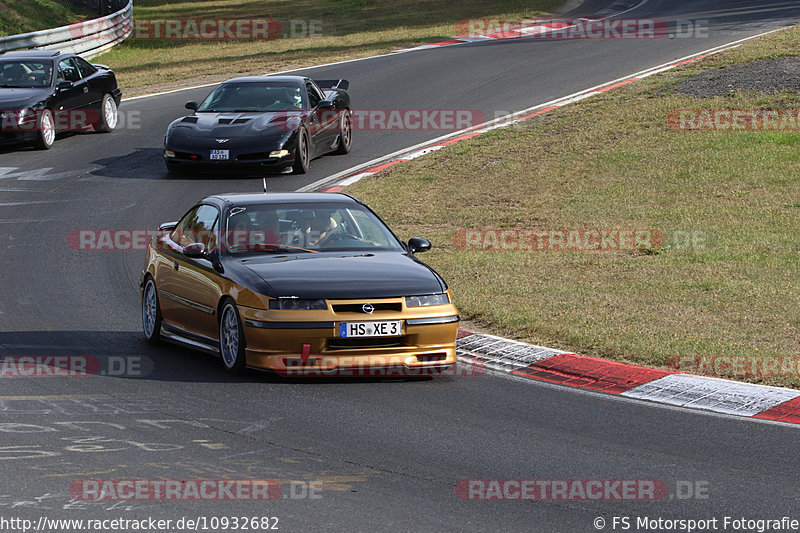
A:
306, 228
25, 74
252, 97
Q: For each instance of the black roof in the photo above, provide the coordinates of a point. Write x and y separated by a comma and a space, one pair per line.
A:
236, 199
31, 54
289, 80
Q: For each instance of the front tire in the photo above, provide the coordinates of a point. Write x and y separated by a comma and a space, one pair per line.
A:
231, 339
46, 131
301, 153
109, 115
151, 312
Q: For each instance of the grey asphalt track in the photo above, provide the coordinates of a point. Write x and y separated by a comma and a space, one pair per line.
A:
388, 454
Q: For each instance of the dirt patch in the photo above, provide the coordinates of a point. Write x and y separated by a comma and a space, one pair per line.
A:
764, 76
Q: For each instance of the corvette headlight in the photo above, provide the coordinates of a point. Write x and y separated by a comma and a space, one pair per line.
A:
179, 131
297, 304
430, 299
279, 153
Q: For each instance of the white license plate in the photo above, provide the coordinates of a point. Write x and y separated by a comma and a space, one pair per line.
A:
217, 155
389, 328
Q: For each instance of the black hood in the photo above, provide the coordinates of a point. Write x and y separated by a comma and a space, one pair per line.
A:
346, 275
231, 125
23, 97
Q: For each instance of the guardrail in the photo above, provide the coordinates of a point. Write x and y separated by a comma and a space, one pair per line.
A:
87, 39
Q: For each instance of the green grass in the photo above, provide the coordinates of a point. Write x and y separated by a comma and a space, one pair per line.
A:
22, 16
349, 29
723, 283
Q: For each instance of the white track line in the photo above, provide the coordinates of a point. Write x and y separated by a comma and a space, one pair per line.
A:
323, 64
509, 119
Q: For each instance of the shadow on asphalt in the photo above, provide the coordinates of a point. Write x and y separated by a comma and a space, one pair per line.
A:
148, 163
142, 163
126, 355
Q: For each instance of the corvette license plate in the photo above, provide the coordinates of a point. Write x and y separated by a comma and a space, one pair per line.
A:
389, 328
218, 155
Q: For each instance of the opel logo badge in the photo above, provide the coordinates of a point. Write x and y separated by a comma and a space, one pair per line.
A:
368, 308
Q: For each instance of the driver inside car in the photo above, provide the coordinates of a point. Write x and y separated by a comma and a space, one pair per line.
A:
319, 227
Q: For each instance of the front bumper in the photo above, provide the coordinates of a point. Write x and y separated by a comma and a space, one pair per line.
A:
243, 153
313, 347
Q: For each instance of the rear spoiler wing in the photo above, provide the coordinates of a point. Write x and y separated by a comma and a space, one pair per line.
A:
332, 84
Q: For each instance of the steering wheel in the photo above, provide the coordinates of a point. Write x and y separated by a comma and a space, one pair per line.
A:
337, 236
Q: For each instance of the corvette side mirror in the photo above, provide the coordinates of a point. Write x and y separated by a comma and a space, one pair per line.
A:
325, 104
191, 104
65, 84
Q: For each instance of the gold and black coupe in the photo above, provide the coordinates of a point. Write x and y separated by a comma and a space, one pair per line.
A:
300, 284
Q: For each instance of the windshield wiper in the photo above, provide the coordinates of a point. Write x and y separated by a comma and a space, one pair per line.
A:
284, 248
274, 249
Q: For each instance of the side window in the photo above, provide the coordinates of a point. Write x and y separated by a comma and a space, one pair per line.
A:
314, 96
84, 67
198, 225
67, 71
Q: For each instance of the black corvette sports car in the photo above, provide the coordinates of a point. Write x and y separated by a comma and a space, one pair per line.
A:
258, 123
43, 92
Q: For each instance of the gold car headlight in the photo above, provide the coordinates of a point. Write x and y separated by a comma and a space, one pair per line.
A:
427, 300
296, 304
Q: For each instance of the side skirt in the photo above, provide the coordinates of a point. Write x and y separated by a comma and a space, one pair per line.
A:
177, 335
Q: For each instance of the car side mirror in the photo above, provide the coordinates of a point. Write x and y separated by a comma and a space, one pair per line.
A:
168, 226
418, 244
325, 104
195, 250
191, 104
65, 84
